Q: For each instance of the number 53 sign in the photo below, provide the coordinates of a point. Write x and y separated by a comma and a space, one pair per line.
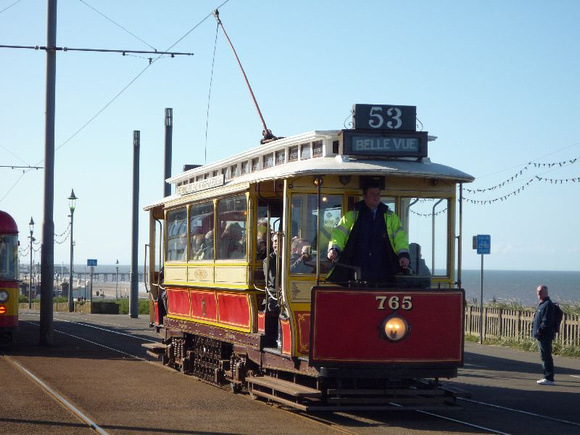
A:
385, 117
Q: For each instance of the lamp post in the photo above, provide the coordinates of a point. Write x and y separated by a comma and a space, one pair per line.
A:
72, 200
117, 285
31, 227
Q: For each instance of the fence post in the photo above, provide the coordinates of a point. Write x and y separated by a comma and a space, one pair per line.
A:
500, 322
483, 323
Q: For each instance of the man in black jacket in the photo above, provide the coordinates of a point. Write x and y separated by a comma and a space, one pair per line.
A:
544, 331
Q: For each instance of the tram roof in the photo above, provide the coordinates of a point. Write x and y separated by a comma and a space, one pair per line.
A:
312, 153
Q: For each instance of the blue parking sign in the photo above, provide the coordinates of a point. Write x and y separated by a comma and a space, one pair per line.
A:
91, 262
483, 243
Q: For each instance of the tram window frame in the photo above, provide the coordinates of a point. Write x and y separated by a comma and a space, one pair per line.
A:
231, 211
262, 225
303, 230
435, 262
201, 249
176, 235
9, 257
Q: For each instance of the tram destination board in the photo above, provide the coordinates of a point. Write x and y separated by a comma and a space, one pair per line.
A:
383, 143
384, 117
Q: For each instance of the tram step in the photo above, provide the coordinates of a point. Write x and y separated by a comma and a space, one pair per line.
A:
282, 386
155, 349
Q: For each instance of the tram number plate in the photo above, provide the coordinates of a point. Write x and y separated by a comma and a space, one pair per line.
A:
395, 302
385, 117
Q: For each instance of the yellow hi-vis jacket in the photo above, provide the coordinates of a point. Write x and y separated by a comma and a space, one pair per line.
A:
395, 230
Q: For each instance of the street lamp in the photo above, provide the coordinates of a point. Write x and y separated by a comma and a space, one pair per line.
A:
117, 285
72, 201
31, 227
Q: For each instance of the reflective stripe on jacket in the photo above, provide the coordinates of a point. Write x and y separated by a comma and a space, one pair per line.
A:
395, 230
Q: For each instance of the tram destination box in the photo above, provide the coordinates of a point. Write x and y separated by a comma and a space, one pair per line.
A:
383, 143
384, 117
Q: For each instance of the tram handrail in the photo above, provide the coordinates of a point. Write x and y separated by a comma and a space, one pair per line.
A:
145, 274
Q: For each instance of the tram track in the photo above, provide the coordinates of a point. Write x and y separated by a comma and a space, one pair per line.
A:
66, 404
519, 411
362, 422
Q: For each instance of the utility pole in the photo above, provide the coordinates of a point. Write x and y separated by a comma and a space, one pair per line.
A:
47, 249
168, 150
134, 298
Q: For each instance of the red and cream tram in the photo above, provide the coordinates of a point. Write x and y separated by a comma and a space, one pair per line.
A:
328, 346
9, 287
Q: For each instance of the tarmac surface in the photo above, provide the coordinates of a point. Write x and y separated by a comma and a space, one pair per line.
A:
96, 377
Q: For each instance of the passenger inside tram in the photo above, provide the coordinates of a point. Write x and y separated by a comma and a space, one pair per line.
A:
301, 256
205, 251
231, 244
418, 264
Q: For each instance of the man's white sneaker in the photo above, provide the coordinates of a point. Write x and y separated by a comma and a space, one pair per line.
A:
545, 382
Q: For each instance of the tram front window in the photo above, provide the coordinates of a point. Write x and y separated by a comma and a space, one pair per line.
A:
8, 257
427, 221
305, 244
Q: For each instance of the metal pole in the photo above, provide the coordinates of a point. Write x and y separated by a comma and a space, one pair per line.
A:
117, 283
91, 293
47, 250
134, 298
481, 304
31, 226
71, 306
168, 150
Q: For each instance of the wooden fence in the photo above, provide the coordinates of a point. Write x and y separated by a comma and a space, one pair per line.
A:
516, 324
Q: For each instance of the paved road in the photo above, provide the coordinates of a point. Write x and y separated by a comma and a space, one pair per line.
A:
123, 394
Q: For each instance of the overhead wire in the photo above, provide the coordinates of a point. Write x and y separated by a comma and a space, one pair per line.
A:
209, 91
134, 79
9, 6
151, 62
117, 24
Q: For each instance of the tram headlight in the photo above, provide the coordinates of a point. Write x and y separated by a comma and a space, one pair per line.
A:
4, 296
394, 328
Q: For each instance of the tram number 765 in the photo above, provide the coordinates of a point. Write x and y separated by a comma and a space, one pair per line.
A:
395, 302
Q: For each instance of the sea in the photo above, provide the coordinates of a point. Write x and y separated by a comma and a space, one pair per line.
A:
520, 286
517, 286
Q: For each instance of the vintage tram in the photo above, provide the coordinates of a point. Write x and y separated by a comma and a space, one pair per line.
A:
9, 284
323, 345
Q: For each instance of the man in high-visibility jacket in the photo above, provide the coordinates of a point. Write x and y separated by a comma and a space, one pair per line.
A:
370, 237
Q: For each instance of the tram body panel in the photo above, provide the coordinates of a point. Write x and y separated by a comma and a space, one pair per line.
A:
352, 326
8, 305
9, 277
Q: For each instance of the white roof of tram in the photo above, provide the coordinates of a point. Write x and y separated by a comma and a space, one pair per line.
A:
251, 166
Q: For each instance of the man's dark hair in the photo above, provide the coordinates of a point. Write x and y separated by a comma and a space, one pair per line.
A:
371, 184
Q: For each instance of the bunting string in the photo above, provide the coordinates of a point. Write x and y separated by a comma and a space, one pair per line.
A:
519, 174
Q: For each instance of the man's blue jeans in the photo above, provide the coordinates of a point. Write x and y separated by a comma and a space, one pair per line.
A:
545, 347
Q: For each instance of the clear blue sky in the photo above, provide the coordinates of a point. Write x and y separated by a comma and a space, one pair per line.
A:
497, 81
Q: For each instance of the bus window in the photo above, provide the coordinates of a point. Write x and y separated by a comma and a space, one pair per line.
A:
231, 243
176, 235
304, 241
201, 232
426, 221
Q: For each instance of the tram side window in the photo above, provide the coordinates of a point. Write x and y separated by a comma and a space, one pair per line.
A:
304, 240
427, 221
176, 235
275, 224
8, 257
201, 232
231, 243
